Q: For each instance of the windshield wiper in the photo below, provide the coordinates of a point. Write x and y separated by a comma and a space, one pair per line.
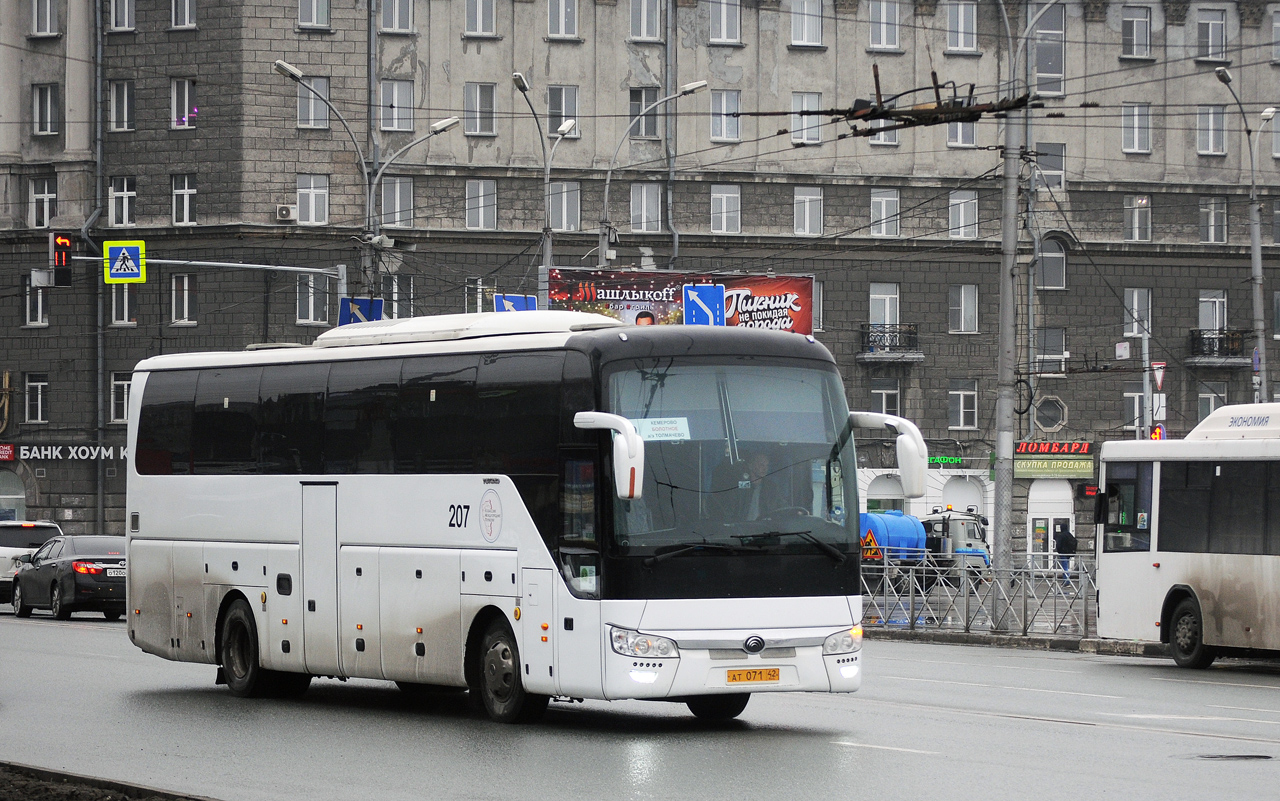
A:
830, 550
689, 547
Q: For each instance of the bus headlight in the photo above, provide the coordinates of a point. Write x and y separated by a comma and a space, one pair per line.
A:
633, 643
843, 642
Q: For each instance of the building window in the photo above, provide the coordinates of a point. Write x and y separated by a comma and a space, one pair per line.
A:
120, 386
183, 106
808, 210
886, 398
1134, 403
37, 386
1052, 160
725, 123
1275, 50
646, 126
123, 197
312, 111
313, 199
646, 210
183, 299
397, 297
884, 135
962, 403
44, 18
1137, 218
1211, 124
397, 202
805, 128
726, 18
1050, 50
1051, 265
1050, 348
44, 108
1213, 309
397, 105
1211, 34
121, 15
1213, 220
562, 105
1135, 31
884, 24
478, 108
962, 311
1135, 124
313, 13
566, 206
397, 16
1137, 311
184, 199
962, 26
962, 134
37, 303
480, 18
120, 105
884, 304
962, 207
183, 13
313, 299
884, 212
1213, 394
44, 201
726, 209
122, 312
562, 18
645, 19
482, 205
806, 22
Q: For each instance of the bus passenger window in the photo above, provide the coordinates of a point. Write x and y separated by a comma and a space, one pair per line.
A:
1127, 522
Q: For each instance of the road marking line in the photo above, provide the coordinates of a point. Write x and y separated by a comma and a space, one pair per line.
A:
884, 748
1218, 718
879, 658
1003, 687
1221, 683
1244, 708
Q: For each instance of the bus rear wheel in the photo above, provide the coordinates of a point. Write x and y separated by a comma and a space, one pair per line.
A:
718, 707
239, 653
501, 690
1186, 637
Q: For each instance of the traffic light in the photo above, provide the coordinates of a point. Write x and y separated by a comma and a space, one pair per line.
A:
61, 247
1157, 432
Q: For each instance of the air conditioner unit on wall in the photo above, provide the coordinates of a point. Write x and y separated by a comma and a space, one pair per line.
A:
286, 213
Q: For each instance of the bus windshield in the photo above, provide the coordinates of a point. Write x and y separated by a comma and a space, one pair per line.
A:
744, 456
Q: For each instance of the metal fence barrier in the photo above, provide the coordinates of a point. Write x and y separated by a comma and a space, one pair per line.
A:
1037, 598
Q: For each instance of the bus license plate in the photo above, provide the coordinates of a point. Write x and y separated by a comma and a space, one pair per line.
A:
115, 571
766, 674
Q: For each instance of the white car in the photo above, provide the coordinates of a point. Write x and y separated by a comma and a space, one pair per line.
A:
18, 537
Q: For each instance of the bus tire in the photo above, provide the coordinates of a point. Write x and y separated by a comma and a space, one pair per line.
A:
501, 689
1186, 637
718, 707
239, 653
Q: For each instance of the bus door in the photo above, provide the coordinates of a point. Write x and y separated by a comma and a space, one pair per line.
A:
320, 577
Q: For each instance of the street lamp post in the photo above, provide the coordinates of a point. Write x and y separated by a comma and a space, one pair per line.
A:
1255, 234
602, 258
564, 130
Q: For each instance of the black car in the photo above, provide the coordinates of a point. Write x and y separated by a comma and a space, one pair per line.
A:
73, 574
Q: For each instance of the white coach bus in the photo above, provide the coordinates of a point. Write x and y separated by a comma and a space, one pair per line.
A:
528, 504
1189, 538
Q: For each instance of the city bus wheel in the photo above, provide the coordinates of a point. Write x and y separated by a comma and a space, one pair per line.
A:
1186, 637
239, 653
718, 707
501, 689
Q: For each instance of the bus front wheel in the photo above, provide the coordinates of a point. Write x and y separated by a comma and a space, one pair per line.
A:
718, 707
239, 653
1186, 637
501, 689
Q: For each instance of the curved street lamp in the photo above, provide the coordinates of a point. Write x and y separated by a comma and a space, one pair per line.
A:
564, 130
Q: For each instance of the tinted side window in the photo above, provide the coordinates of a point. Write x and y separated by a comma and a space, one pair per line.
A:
1220, 507
225, 438
358, 416
291, 427
1237, 513
1184, 507
435, 415
164, 424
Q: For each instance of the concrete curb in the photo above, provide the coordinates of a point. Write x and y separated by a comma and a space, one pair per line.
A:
1031, 641
128, 790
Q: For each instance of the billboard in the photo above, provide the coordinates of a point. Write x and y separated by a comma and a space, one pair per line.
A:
782, 303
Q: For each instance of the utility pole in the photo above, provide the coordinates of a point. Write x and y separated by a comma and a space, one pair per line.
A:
1144, 430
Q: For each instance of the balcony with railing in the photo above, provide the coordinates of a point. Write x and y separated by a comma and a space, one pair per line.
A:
890, 342
1220, 347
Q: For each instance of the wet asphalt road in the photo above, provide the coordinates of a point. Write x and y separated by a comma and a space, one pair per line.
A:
932, 721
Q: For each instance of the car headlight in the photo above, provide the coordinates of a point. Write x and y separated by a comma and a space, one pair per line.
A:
843, 642
633, 643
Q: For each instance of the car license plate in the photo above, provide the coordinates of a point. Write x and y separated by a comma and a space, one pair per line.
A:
115, 571
765, 674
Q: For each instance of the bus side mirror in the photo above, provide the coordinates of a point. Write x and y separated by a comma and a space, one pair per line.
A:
1100, 508
628, 450
913, 454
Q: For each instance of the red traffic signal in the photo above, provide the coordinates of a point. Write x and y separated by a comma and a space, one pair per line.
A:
61, 247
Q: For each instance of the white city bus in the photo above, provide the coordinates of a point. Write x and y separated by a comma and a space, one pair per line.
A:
1189, 538
528, 504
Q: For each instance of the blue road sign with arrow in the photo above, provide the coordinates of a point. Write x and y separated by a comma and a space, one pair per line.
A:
505, 303
359, 310
704, 304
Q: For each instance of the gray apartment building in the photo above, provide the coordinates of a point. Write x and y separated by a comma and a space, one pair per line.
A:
169, 121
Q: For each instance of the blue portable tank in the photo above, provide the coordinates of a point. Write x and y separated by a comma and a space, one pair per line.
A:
899, 535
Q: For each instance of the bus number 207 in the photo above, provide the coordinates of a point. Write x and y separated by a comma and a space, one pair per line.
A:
458, 515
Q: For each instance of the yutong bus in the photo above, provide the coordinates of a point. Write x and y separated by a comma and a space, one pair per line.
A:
528, 504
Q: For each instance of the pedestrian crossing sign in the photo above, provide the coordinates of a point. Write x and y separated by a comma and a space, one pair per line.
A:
124, 262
